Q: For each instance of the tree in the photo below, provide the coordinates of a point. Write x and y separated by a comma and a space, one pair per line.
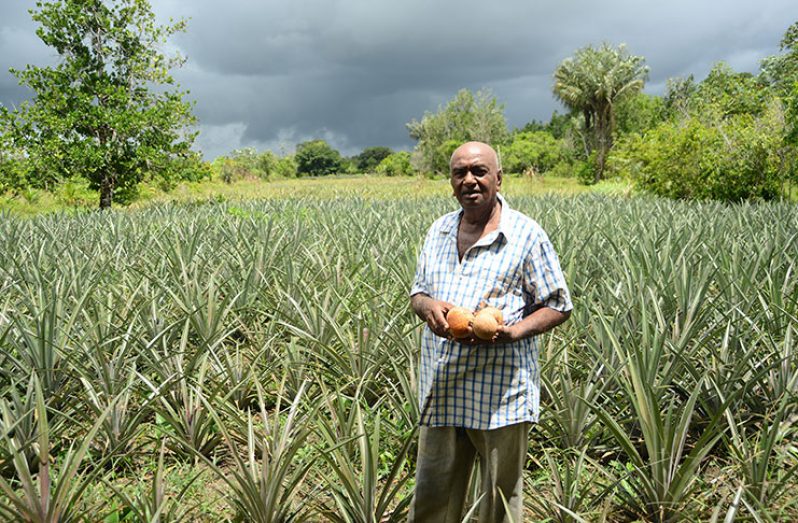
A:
592, 82
727, 92
679, 91
285, 167
466, 117
109, 110
368, 160
397, 164
557, 126
317, 158
780, 72
532, 151
11, 176
245, 163
639, 113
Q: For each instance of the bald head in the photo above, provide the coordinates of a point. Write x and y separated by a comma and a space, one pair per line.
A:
476, 178
476, 149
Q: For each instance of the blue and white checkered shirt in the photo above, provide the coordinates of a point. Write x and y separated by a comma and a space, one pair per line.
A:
513, 268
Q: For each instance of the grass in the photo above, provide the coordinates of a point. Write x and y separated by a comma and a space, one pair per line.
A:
74, 200
379, 187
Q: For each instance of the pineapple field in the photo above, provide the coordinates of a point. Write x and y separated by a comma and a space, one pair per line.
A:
257, 361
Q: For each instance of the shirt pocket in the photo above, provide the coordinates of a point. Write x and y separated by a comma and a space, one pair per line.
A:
497, 274
443, 272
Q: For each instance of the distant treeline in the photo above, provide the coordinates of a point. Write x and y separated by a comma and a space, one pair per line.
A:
731, 136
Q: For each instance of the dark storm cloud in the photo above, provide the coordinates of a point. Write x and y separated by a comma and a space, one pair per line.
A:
19, 46
270, 74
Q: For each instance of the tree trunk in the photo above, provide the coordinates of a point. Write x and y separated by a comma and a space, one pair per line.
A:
604, 140
106, 192
586, 113
600, 149
599, 164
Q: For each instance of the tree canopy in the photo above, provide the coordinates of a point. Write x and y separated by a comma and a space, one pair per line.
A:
532, 152
592, 82
466, 117
397, 164
781, 71
108, 111
370, 158
317, 158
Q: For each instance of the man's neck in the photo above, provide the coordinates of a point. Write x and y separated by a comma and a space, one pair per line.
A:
480, 218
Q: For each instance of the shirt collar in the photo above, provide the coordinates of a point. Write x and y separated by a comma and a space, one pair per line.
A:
450, 227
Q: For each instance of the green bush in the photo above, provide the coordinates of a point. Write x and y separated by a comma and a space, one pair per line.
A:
187, 168
75, 192
349, 166
13, 174
227, 169
242, 164
639, 113
444, 154
532, 151
368, 160
285, 167
562, 169
265, 164
585, 170
397, 164
317, 158
733, 159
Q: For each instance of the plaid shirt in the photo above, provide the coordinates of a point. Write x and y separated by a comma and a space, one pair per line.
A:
513, 268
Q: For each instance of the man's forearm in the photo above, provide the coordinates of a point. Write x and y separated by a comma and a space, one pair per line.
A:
540, 321
418, 303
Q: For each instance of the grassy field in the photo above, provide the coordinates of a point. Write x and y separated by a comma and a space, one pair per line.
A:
380, 187
221, 358
76, 197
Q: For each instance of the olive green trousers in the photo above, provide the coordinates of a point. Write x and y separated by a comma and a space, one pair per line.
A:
446, 457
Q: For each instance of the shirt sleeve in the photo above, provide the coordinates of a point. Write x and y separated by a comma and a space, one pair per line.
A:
420, 284
544, 281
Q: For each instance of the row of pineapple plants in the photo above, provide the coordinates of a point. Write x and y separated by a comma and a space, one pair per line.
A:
268, 348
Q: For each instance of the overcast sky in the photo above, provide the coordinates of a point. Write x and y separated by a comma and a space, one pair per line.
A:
270, 74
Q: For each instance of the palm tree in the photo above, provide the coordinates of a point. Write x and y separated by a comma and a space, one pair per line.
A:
592, 82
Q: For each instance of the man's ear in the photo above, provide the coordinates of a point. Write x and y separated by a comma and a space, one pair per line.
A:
499, 177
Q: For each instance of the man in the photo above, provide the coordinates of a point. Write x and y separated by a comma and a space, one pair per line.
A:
478, 399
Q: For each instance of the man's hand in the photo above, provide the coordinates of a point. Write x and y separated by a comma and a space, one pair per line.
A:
536, 323
504, 334
433, 312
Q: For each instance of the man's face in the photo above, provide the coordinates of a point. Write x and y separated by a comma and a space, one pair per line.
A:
475, 176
